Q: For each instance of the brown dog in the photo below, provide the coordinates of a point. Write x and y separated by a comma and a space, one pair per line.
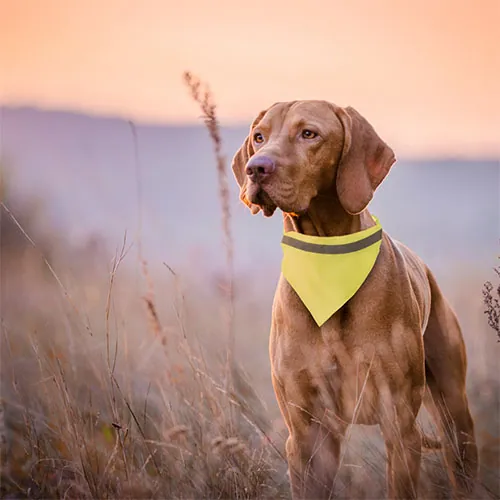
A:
371, 361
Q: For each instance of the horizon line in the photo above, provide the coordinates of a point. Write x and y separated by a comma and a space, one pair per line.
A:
489, 157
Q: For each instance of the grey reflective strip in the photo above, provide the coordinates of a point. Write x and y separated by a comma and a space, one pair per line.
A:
332, 249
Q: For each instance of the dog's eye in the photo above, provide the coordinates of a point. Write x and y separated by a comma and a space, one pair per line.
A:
309, 134
258, 138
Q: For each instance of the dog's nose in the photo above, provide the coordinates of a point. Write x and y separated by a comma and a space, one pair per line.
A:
259, 167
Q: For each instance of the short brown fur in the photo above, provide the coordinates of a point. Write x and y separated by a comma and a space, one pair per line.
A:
372, 361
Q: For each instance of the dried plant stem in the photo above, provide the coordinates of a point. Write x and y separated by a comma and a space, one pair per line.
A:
118, 259
203, 97
492, 304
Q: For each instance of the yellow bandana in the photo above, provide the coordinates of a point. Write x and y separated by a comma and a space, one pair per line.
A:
326, 271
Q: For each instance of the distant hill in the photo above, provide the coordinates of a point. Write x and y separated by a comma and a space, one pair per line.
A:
83, 168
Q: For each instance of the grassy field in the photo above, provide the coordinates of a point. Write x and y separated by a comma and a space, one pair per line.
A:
115, 382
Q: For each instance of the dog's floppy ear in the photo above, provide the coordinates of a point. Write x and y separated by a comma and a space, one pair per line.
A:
366, 160
240, 160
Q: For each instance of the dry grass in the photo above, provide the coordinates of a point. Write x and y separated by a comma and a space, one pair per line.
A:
109, 391
121, 413
491, 296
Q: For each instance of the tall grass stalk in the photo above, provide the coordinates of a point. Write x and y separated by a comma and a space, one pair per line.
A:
202, 95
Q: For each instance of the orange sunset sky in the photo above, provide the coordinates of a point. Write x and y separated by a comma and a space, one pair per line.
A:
426, 73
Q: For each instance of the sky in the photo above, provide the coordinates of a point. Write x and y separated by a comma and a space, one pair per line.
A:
426, 74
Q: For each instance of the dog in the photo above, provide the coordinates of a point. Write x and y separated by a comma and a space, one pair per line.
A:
393, 346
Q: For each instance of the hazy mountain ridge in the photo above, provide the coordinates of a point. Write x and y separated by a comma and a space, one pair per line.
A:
83, 167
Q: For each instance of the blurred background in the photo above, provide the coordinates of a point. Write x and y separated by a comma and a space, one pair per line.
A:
77, 177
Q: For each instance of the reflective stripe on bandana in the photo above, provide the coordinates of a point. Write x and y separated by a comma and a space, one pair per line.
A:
326, 271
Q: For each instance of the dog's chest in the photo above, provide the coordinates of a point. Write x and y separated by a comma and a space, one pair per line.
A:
326, 381
322, 374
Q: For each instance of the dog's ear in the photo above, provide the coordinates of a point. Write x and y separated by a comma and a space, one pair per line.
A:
366, 160
240, 160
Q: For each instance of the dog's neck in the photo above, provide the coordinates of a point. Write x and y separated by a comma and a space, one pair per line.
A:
326, 217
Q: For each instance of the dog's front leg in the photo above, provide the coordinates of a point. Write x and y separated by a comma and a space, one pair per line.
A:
404, 445
313, 460
312, 448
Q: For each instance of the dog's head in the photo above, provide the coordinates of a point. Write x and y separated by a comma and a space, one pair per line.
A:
297, 150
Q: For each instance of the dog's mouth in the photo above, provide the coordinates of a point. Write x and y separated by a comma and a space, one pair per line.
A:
265, 198
258, 196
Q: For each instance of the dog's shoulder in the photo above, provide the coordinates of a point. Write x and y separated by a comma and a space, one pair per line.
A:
411, 269
405, 255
